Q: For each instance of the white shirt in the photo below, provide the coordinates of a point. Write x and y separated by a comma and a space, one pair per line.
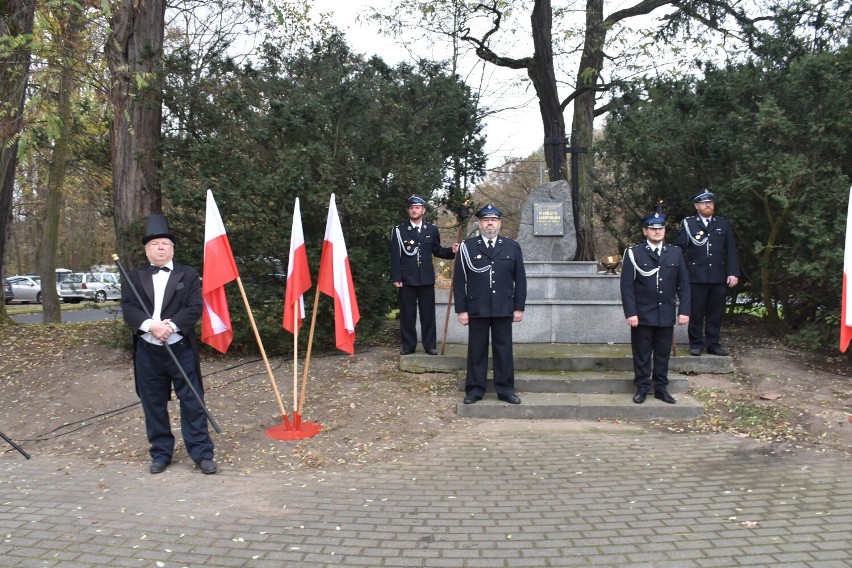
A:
160, 279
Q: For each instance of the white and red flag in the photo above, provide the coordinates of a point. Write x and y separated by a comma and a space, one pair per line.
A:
335, 280
298, 276
219, 269
846, 300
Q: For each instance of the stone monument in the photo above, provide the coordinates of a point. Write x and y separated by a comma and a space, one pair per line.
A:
546, 232
568, 301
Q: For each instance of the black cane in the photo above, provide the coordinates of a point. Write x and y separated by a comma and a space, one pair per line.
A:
166, 345
16, 446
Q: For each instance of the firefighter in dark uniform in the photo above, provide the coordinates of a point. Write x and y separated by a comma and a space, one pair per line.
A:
490, 291
708, 244
413, 244
653, 278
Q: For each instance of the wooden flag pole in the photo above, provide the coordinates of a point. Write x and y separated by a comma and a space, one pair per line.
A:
296, 310
297, 417
263, 354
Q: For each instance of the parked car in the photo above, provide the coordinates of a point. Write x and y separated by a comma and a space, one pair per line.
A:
8, 294
98, 286
26, 288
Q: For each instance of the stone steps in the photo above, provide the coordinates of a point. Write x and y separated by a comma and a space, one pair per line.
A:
584, 382
582, 406
575, 382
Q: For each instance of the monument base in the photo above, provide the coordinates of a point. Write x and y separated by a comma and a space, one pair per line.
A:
567, 302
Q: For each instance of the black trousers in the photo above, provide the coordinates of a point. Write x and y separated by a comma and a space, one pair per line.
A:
650, 342
500, 330
410, 299
156, 372
705, 319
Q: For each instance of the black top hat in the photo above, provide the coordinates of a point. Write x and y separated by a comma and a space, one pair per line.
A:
156, 226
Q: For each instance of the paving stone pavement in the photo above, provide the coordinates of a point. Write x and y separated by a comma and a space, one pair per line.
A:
501, 493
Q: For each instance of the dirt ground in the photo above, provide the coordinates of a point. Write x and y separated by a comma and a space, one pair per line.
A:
64, 392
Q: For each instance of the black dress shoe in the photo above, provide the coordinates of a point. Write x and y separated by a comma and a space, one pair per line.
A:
511, 399
406, 352
158, 466
639, 397
207, 466
471, 399
695, 351
717, 351
664, 396
432, 351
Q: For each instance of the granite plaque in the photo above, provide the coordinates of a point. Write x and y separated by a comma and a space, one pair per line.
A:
557, 247
548, 220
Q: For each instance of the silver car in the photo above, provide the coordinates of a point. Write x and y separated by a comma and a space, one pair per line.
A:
8, 295
98, 286
25, 288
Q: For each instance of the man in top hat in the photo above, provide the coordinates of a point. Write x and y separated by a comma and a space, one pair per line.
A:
172, 299
490, 292
708, 243
653, 279
413, 244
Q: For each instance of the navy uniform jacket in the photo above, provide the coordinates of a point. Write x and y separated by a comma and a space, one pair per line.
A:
711, 254
489, 285
411, 254
182, 302
653, 296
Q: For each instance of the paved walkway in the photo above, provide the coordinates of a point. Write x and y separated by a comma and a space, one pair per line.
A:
513, 493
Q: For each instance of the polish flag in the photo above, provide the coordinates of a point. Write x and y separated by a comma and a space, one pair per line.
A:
298, 274
219, 269
335, 279
846, 300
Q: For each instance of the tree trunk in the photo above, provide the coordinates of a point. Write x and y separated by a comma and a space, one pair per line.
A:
70, 28
16, 19
134, 56
588, 74
543, 77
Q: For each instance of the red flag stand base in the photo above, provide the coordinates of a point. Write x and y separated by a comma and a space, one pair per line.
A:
305, 430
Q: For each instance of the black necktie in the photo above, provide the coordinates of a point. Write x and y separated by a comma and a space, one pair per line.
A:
490, 245
155, 269
657, 251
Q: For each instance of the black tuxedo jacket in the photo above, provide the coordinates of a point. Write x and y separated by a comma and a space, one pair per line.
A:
182, 302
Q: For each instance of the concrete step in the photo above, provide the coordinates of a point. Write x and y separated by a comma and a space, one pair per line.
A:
537, 357
584, 382
577, 406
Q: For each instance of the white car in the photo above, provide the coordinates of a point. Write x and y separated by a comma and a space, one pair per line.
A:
25, 288
97, 286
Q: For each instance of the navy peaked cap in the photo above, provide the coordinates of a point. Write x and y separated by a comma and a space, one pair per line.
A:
655, 221
489, 211
416, 200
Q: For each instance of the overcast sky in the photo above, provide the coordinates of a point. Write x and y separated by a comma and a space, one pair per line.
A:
511, 133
